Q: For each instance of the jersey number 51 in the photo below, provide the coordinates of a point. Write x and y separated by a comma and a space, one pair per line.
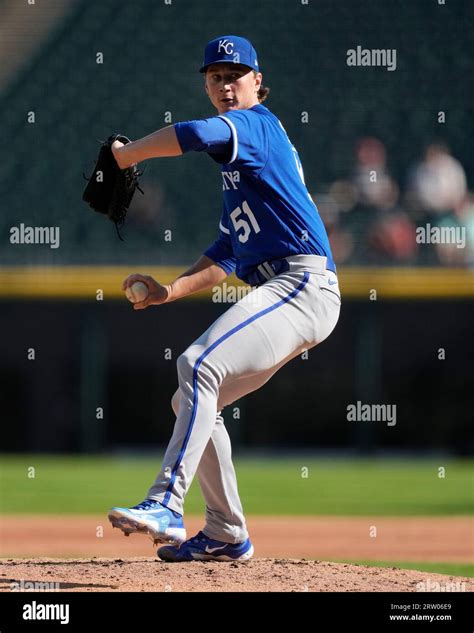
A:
241, 223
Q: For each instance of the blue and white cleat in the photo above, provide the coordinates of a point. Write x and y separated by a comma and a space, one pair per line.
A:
150, 517
201, 547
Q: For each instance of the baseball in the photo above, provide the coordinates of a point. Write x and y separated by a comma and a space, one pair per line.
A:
137, 292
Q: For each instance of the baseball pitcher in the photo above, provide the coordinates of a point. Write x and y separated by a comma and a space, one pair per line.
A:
271, 235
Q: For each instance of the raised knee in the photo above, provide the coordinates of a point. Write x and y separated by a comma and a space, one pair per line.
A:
191, 367
185, 363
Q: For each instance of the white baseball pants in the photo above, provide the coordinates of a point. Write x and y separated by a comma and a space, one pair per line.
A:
236, 355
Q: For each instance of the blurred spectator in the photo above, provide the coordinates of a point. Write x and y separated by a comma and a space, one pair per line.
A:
370, 177
436, 191
388, 235
391, 239
438, 183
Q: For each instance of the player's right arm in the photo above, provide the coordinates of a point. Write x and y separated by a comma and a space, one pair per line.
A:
211, 269
204, 273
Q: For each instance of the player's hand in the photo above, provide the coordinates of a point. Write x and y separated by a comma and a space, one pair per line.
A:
157, 293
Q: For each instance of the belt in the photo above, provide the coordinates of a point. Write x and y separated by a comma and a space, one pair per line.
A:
266, 270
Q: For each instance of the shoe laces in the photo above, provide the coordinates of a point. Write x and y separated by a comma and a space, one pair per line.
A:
145, 505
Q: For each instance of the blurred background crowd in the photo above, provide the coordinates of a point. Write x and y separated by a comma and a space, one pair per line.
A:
373, 219
379, 157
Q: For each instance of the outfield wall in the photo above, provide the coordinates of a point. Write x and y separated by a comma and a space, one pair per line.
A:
89, 354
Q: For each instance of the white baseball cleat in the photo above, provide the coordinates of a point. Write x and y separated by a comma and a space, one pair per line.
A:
152, 518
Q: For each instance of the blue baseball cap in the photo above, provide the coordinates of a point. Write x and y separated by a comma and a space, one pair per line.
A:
230, 49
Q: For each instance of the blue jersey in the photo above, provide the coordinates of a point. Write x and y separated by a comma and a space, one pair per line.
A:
267, 212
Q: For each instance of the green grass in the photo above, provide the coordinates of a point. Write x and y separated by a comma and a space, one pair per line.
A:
450, 569
344, 487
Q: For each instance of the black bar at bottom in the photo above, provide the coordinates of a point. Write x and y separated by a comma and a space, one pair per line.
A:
235, 612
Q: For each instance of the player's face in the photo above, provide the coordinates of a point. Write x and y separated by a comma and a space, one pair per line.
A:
232, 87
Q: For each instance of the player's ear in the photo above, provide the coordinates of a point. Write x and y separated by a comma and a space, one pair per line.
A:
258, 80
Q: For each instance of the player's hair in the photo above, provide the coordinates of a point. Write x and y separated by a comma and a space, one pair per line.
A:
263, 91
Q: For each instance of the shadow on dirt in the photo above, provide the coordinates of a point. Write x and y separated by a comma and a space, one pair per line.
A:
26, 586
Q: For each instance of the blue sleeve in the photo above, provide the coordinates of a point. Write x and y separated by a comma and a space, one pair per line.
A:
221, 252
203, 135
250, 145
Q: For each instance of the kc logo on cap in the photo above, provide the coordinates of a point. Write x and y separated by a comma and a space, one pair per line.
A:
230, 49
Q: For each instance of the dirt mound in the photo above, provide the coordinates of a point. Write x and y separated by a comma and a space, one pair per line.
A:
323, 538
261, 574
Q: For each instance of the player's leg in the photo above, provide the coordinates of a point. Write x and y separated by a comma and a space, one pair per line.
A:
285, 315
224, 514
225, 519
217, 541
225, 532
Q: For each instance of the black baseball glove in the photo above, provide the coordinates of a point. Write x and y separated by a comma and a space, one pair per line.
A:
110, 190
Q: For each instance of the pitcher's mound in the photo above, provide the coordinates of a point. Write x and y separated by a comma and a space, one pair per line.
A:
260, 574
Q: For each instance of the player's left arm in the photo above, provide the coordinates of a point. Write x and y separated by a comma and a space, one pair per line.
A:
210, 135
159, 144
